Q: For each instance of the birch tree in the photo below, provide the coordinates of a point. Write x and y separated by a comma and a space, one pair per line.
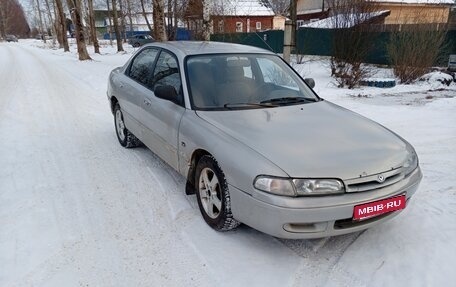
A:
207, 23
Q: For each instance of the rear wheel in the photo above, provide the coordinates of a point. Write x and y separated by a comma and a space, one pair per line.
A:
213, 195
125, 137
136, 45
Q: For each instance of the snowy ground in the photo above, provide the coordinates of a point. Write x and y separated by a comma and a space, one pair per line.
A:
77, 209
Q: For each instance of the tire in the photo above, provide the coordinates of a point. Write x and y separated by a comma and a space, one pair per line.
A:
213, 195
125, 137
136, 45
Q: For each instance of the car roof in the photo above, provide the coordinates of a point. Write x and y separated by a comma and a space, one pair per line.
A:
185, 48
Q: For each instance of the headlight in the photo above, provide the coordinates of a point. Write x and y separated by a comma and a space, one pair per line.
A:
297, 187
411, 162
318, 186
279, 186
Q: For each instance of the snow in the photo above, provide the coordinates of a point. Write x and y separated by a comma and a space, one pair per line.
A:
240, 8
77, 209
437, 78
344, 20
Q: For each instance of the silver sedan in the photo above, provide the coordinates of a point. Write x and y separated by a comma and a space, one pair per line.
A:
256, 144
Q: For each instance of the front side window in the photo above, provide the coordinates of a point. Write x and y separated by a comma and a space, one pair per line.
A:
243, 81
166, 72
142, 65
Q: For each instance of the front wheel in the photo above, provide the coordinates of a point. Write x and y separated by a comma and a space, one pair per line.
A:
213, 195
125, 137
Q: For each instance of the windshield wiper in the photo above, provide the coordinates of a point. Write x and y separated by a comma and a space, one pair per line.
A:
288, 100
242, 105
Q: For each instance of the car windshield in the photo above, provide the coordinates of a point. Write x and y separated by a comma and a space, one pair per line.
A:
244, 81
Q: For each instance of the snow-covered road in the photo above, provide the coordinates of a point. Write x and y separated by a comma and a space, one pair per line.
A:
77, 209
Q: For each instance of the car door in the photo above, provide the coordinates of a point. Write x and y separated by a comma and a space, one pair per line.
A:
134, 87
160, 117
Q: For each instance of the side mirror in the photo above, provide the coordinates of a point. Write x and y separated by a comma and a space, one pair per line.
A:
167, 93
310, 82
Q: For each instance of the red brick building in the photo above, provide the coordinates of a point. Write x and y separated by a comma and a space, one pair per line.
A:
231, 16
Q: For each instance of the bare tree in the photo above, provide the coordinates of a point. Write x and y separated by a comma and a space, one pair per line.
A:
352, 39
280, 7
129, 14
143, 11
109, 22
207, 23
12, 19
122, 21
158, 15
115, 21
93, 30
415, 48
41, 21
76, 15
62, 25
49, 13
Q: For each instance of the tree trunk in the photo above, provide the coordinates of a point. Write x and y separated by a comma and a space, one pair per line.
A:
41, 21
110, 24
175, 19
130, 20
158, 14
115, 20
62, 25
48, 7
207, 24
93, 30
143, 9
122, 22
75, 8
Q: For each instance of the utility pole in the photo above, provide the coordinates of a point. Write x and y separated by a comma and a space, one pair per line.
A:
293, 16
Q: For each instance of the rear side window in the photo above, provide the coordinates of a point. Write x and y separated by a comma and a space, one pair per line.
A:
142, 66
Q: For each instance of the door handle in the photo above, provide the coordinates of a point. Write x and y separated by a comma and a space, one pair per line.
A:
147, 102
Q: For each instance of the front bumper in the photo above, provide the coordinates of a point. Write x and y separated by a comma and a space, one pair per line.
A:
314, 217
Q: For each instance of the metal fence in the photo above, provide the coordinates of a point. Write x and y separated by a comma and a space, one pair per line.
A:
311, 41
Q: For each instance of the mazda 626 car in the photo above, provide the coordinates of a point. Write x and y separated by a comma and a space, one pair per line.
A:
256, 144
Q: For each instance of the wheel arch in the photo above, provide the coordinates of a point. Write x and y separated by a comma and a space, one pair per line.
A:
113, 101
196, 156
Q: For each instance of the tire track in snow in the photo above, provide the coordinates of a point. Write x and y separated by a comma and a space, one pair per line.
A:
320, 258
91, 191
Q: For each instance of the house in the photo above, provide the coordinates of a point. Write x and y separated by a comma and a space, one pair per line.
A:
230, 16
310, 11
416, 11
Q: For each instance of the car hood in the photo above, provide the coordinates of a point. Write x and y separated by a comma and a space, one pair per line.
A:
314, 140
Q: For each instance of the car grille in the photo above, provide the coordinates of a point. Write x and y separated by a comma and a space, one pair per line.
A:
372, 182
